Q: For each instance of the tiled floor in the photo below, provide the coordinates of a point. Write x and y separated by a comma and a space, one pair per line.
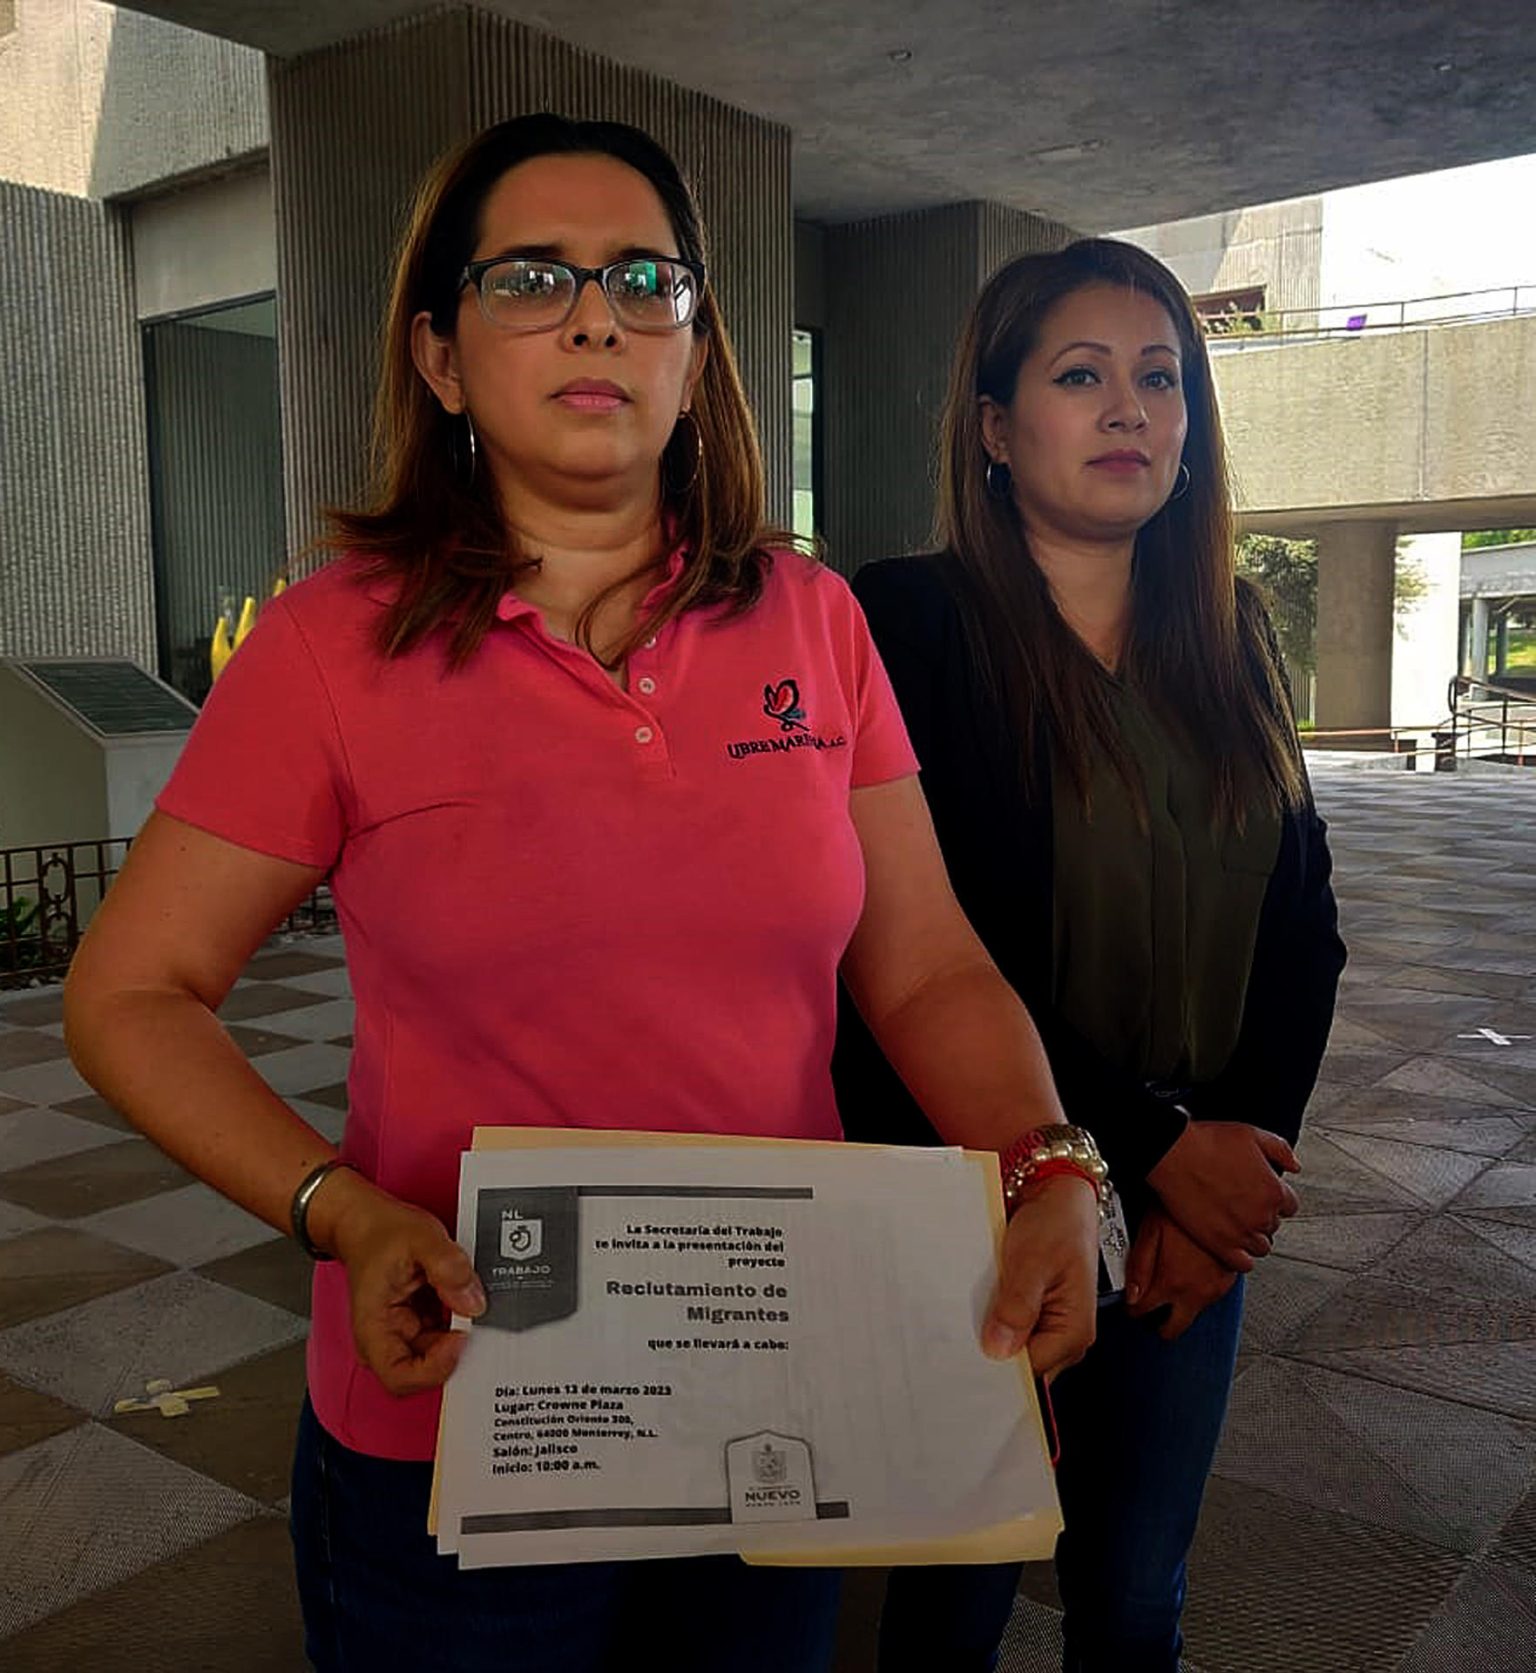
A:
1374, 1505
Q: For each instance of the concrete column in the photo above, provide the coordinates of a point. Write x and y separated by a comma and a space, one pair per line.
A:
896, 291
1477, 657
1501, 646
1356, 564
355, 126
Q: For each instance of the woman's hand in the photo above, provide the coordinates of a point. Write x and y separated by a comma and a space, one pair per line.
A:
1167, 1268
1219, 1182
405, 1275
1047, 1292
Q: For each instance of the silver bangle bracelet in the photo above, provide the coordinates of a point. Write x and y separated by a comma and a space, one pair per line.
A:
298, 1209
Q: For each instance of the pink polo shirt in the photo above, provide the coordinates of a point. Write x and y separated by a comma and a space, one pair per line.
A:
564, 904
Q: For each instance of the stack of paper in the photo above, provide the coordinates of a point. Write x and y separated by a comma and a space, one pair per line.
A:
699, 1345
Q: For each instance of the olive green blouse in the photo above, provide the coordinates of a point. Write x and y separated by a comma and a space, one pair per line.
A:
1155, 927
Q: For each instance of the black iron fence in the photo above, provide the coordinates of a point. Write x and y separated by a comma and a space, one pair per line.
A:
48, 894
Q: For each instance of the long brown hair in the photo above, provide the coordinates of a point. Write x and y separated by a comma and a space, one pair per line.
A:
435, 525
1199, 648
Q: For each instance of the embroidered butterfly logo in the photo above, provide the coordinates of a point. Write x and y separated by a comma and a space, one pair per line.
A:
781, 702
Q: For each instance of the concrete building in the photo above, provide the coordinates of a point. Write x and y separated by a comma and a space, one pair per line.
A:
1370, 403
196, 229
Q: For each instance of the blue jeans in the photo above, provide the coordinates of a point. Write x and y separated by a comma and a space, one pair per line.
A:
1139, 1421
377, 1596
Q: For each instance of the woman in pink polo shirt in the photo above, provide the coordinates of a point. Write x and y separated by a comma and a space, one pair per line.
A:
608, 784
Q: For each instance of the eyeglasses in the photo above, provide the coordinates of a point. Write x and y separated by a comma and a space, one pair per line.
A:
531, 293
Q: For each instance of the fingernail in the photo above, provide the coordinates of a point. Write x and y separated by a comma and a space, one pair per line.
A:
999, 1342
475, 1291
1132, 1294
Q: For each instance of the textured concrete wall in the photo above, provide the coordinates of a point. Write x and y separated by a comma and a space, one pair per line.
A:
75, 567
1277, 245
1430, 427
1356, 567
101, 101
897, 292
355, 127
208, 243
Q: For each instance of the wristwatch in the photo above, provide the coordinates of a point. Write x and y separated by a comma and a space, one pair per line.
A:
1043, 1151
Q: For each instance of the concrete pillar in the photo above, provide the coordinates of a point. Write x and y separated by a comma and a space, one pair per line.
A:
1356, 566
1501, 646
1477, 657
355, 126
896, 291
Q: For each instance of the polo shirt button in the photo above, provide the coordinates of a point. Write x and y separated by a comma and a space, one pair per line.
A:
643, 734
650, 643
647, 685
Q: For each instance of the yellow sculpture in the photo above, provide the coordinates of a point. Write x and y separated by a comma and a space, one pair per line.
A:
224, 643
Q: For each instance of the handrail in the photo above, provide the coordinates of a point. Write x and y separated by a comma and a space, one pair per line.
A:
1473, 716
1353, 319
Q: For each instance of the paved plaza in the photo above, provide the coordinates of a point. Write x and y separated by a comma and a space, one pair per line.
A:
1374, 1505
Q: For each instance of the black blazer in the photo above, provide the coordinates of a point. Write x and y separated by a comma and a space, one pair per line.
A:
997, 845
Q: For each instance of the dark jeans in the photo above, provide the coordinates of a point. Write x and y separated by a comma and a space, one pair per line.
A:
377, 1596
1139, 1422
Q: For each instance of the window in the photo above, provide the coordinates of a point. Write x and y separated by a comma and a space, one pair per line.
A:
806, 471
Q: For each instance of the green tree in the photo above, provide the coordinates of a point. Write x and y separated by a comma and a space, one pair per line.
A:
1285, 572
1473, 538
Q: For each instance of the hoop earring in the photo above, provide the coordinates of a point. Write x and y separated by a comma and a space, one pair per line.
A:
1181, 486
465, 472
998, 479
680, 470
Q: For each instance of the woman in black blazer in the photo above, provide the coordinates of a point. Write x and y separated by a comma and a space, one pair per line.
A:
1113, 770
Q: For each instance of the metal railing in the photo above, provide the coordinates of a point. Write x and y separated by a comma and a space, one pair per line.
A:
48, 894
1242, 326
1488, 722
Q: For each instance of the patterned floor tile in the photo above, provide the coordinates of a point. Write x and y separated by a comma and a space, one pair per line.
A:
1460, 1128
1433, 1077
281, 963
87, 1509
38, 1135
185, 1227
1488, 1624
27, 1417
1439, 1471
1450, 1256
228, 1603
1331, 1181
58, 1267
179, 1326
244, 1438
264, 999
1430, 1176
320, 1022
1368, 1312
300, 1068
69, 1187
14, 1220
34, 1010
1345, 1241
1277, 1586
93, 1107
22, 1047
45, 1083
1496, 1376
9, 1105
257, 1042
327, 984
1282, 1295
278, 1272
1505, 1185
